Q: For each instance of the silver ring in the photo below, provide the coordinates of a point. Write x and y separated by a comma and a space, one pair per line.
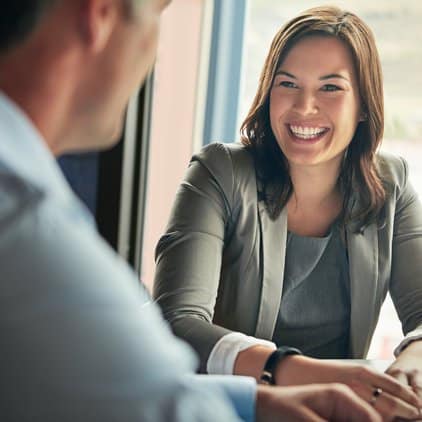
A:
375, 394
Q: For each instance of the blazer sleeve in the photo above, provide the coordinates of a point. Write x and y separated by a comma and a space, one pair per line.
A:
189, 254
406, 270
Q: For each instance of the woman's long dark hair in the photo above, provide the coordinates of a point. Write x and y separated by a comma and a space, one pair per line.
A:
359, 171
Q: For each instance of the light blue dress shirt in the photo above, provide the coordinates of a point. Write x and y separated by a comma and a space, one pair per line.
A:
79, 338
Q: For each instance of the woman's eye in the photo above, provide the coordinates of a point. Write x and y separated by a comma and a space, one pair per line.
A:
331, 88
287, 84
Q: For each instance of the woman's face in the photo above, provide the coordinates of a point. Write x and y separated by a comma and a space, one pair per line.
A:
315, 102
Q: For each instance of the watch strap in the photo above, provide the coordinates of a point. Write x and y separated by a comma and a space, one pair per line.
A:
268, 373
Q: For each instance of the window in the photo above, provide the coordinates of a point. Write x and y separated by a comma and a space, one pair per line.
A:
195, 98
176, 128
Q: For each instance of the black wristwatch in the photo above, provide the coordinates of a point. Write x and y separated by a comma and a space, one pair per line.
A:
267, 376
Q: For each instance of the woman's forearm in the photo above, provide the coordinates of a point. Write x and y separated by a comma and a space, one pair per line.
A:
251, 361
292, 370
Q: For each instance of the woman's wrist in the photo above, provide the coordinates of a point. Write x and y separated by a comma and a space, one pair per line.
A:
299, 369
289, 371
409, 358
250, 361
274, 360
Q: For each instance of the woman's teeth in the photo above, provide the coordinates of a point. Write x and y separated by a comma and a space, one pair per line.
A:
307, 132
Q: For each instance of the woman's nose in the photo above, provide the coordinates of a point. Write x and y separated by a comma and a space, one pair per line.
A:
306, 103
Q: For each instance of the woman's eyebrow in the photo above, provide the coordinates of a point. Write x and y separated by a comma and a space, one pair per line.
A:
322, 78
333, 76
283, 72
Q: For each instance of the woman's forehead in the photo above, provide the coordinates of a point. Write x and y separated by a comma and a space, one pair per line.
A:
318, 54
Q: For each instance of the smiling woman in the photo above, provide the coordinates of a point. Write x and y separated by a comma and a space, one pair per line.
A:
314, 112
401, 58
331, 49
294, 236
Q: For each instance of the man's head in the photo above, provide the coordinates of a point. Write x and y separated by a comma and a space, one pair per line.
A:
18, 19
85, 59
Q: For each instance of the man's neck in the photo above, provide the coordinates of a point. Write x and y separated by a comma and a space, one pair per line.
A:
39, 85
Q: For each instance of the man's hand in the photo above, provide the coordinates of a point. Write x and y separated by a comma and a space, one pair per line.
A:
312, 403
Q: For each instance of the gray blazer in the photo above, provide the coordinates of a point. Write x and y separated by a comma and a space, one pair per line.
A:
220, 263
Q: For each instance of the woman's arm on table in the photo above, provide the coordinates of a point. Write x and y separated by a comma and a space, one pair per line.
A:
189, 254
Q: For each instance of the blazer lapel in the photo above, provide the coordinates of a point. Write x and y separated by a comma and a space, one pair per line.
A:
273, 248
363, 271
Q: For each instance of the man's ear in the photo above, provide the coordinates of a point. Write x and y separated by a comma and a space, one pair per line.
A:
98, 19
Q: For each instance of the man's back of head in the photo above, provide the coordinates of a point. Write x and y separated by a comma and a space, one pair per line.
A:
72, 65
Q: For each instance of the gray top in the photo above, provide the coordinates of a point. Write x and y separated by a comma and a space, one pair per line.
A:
315, 306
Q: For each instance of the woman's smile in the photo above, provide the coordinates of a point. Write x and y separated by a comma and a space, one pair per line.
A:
306, 134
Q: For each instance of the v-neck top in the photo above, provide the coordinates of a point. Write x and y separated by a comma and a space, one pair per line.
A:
314, 313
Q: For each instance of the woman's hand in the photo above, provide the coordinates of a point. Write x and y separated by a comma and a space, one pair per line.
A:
387, 395
312, 403
407, 368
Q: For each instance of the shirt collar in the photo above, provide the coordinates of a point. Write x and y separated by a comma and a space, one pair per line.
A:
24, 151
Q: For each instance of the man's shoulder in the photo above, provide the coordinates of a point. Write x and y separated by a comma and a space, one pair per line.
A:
43, 236
17, 197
